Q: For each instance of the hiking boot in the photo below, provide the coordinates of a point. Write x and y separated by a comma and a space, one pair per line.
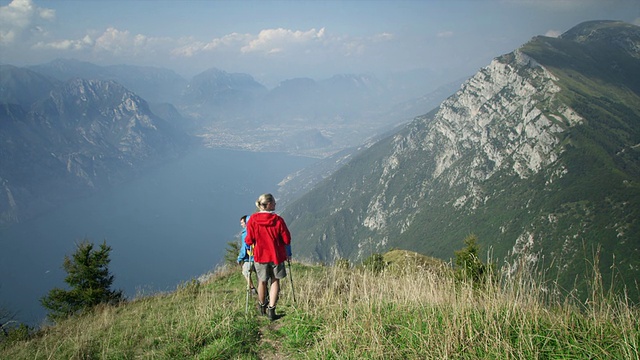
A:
271, 313
262, 308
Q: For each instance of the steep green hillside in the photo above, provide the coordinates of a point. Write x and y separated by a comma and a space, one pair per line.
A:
537, 154
601, 191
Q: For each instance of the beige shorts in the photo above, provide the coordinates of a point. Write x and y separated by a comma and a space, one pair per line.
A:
247, 267
267, 271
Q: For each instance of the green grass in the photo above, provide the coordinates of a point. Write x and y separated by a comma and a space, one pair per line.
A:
347, 314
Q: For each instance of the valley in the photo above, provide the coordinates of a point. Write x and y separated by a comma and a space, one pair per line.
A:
165, 227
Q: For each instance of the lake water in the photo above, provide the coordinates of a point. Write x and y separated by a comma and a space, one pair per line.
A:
164, 228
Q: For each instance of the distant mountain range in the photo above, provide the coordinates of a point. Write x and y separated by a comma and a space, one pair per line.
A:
69, 127
538, 154
233, 110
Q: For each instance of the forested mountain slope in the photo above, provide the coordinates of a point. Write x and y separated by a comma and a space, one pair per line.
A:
537, 154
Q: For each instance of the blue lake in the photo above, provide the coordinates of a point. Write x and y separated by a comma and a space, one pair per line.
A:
167, 227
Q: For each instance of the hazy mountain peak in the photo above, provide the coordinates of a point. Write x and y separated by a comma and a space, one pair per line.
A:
79, 136
67, 64
215, 74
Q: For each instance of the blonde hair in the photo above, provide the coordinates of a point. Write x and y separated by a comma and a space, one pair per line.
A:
264, 200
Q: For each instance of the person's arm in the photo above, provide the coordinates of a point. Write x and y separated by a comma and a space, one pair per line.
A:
284, 232
286, 238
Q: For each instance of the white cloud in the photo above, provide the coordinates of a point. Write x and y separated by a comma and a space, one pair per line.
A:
445, 34
114, 44
24, 27
47, 14
228, 41
314, 45
190, 47
117, 43
189, 50
85, 42
268, 41
19, 16
114, 41
383, 37
275, 40
122, 43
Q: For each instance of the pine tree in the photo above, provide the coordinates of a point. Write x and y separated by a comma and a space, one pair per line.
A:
90, 281
468, 263
231, 254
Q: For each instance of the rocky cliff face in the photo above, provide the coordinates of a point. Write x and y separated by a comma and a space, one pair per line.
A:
81, 136
519, 156
494, 123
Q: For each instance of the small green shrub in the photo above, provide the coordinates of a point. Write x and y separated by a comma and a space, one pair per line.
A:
469, 267
374, 263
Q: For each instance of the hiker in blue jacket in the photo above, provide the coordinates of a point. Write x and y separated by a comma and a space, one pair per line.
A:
245, 257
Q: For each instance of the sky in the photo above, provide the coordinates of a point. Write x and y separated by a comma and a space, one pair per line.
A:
279, 40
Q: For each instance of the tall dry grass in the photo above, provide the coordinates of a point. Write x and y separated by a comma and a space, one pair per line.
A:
428, 314
422, 313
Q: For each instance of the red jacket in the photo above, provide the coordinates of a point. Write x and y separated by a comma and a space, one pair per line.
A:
269, 235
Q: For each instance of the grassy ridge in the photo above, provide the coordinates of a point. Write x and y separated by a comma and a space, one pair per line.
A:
348, 314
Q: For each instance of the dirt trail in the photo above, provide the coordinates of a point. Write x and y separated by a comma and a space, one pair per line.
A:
270, 348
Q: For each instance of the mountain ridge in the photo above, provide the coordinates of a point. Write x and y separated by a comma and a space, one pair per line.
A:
524, 155
77, 137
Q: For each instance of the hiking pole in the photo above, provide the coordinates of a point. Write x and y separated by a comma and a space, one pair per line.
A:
246, 304
291, 278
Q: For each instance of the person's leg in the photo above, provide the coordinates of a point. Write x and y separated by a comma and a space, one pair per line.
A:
261, 271
279, 272
262, 291
274, 292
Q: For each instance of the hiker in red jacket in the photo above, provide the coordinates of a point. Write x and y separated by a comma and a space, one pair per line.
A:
270, 237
